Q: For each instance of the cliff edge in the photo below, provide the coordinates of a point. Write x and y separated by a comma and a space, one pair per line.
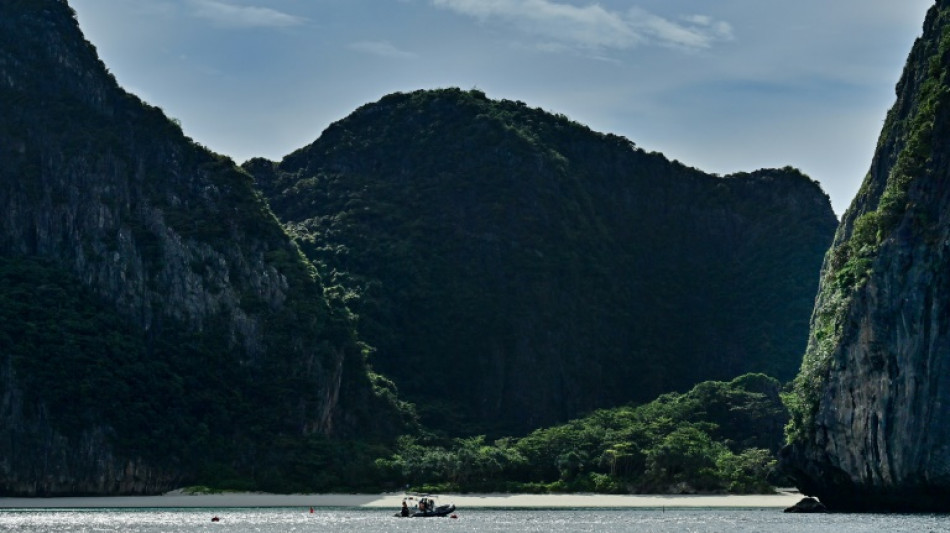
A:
872, 401
159, 327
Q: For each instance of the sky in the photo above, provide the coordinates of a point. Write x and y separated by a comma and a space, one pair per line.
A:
721, 85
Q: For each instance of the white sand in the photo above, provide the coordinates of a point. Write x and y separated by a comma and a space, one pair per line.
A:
784, 498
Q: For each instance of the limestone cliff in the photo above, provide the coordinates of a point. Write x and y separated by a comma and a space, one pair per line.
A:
871, 414
215, 338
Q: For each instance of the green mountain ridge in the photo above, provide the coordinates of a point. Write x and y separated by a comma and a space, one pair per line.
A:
514, 269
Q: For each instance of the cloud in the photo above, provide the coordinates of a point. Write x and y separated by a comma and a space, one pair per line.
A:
382, 49
695, 31
592, 26
232, 16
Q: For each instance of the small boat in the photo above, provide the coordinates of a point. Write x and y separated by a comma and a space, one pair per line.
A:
427, 508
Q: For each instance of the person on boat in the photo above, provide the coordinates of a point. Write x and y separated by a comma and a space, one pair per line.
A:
405, 509
422, 505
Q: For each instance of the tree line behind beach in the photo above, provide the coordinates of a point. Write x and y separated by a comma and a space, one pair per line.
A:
718, 437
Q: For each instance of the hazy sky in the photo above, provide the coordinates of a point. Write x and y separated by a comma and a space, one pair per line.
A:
721, 85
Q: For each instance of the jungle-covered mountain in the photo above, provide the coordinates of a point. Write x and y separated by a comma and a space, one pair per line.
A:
157, 325
512, 268
871, 417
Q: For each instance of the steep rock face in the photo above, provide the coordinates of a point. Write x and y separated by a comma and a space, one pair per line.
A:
223, 340
513, 268
871, 422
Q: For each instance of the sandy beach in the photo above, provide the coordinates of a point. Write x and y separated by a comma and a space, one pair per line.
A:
782, 499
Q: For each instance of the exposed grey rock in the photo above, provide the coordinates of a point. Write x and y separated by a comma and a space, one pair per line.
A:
807, 505
872, 427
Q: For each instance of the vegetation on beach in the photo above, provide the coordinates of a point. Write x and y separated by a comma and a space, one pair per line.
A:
718, 437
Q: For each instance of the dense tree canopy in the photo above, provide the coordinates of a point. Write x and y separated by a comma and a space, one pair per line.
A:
512, 268
718, 437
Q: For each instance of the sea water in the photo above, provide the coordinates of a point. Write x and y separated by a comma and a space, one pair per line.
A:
335, 520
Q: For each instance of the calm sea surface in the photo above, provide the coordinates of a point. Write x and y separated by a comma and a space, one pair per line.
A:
330, 520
